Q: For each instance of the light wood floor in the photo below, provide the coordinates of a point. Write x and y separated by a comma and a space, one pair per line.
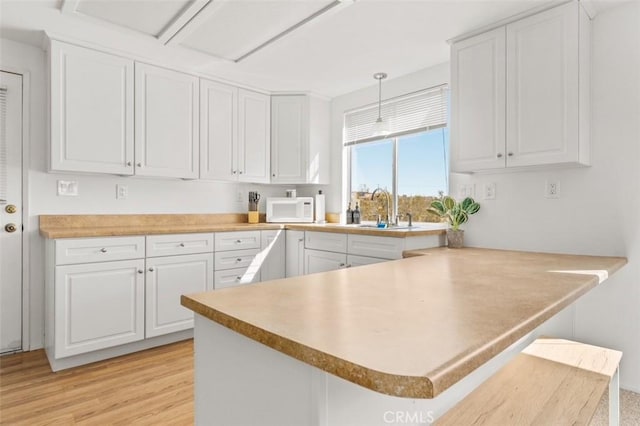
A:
149, 387
153, 387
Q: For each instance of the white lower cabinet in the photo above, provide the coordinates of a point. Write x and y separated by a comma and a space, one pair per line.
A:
294, 256
323, 261
167, 278
98, 305
237, 258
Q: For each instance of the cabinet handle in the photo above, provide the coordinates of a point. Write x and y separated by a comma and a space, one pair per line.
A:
150, 269
510, 154
139, 164
499, 155
233, 172
349, 266
181, 245
140, 271
274, 175
238, 279
240, 172
300, 240
238, 241
103, 250
238, 260
342, 265
129, 163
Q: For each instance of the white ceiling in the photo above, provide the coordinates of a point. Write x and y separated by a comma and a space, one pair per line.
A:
336, 53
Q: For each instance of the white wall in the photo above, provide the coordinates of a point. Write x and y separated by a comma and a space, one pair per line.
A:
97, 193
599, 208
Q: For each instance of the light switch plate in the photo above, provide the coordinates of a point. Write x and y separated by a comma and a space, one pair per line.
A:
122, 191
68, 188
489, 191
466, 190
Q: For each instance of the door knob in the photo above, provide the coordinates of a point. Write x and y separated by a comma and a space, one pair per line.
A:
128, 163
150, 269
103, 250
140, 271
11, 208
10, 227
499, 155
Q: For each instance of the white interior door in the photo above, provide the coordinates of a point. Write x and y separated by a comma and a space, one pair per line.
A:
11, 212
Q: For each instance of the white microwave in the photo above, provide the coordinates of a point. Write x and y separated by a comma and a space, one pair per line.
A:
283, 209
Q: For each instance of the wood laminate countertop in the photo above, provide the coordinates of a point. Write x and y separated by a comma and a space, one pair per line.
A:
83, 226
411, 327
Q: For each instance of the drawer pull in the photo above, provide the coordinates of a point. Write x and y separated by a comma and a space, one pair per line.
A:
103, 250
342, 265
140, 271
238, 279
238, 241
150, 269
238, 260
349, 266
181, 245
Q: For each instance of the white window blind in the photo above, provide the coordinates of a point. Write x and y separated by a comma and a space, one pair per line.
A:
3, 145
419, 111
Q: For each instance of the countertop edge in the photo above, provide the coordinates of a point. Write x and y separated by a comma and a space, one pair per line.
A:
377, 381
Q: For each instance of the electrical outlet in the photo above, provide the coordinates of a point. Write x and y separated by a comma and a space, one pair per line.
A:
489, 191
68, 187
552, 189
122, 192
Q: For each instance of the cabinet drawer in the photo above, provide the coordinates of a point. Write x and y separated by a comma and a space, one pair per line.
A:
382, 247
170, 245
325, 241
88, 250
237, 240
236, 277
235, 259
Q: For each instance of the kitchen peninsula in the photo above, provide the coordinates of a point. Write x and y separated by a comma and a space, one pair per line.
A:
352, 346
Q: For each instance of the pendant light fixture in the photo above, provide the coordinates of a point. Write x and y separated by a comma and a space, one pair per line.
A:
380, 127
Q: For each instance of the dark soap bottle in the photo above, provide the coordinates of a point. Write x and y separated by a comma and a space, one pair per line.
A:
356, 214
349, 215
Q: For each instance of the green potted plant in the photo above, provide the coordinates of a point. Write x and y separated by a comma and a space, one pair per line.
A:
455, 213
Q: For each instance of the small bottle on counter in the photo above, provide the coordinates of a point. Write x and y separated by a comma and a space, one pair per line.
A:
349, 215
356, 214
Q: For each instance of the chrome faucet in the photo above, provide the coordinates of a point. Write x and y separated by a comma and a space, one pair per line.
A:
389, 205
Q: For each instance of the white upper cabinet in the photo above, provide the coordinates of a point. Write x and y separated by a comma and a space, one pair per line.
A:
218, 130
299, 139
254, 136
167, 123
520, 93
91, 97
234, 133
478, 102
543, 92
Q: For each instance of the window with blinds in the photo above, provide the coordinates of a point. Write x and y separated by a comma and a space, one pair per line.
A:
3, 144
419, 111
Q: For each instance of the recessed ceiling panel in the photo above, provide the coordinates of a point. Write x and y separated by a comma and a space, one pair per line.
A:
237, 27
147, 16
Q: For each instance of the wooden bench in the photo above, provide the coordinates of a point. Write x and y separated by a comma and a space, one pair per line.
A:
552, 382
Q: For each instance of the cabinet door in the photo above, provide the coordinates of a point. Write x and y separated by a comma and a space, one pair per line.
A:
478, 102
289, 138
98, 305
542, 88
323, 261
272, 255
254, 135
294, 258
353, 261
167, 278
91, 111
167, 117
218, 131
